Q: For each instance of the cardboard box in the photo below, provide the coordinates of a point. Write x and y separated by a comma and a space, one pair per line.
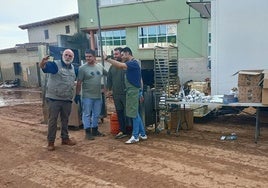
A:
265, 96
249, 77
199, 110
199, 86
265, 79
182, 115
265, 88
249, 94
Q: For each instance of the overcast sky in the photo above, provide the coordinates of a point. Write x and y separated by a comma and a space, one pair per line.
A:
20, 12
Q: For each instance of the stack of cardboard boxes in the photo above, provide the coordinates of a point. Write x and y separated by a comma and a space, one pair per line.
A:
265, 88
200, 86
253, 86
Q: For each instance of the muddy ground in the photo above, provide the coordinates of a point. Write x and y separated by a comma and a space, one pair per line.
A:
194, 158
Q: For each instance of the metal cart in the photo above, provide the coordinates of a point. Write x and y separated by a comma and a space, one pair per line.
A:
166, 82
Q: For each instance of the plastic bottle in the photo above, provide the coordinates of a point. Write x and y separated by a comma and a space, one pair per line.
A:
233, 136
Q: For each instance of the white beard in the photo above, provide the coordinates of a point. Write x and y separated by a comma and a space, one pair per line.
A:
67, 62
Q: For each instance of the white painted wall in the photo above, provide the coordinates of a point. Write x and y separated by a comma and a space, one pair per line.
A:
193, 69
239, 40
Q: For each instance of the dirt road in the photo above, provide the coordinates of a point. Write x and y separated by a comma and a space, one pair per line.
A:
195, 158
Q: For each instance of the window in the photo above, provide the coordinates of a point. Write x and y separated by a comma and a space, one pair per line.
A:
112, 39
157, 35
46, 34
67, 29
118, 2
17, 68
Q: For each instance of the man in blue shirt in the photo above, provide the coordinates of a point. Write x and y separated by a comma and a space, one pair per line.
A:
59, 95
133, 87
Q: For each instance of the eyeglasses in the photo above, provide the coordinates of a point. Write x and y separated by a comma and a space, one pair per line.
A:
68, 55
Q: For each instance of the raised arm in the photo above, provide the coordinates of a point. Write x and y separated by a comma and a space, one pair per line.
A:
115, 63
42, 65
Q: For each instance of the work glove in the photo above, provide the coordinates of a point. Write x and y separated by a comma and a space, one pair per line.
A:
77, 99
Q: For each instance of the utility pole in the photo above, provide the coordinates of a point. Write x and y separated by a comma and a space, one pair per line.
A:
99, 32
103, 108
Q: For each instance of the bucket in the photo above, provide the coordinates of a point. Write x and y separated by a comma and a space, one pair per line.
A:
114, 124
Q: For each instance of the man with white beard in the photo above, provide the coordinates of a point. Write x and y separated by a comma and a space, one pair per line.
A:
59, 95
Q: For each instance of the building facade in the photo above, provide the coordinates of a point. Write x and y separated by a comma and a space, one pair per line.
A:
143, 25
48, 31
22, 61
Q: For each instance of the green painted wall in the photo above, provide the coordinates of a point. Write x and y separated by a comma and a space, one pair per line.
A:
191, 38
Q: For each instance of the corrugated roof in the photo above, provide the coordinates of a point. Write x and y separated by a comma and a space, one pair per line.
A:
50, 21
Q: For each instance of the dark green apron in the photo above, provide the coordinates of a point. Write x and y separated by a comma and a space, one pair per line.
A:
132, 100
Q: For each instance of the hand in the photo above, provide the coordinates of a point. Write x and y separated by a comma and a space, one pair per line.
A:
46, 58
77, 99
109, 94
141, 99
141, 96
104, 55
43, 62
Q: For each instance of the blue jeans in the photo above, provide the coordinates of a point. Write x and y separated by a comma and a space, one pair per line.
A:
138, 127
91, 112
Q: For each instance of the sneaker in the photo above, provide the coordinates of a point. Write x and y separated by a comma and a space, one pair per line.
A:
132, 140
143, 137
120, 135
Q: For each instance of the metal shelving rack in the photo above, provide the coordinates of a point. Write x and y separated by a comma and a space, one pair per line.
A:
166, 70
166, 79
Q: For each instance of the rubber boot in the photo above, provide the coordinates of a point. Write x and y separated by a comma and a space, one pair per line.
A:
89, 135
50, 146
96, 132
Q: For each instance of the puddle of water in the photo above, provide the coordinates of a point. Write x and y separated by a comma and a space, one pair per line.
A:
15, 96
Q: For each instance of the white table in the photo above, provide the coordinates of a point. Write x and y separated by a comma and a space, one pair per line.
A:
238, 104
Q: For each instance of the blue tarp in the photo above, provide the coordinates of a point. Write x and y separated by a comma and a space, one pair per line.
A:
56, 53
